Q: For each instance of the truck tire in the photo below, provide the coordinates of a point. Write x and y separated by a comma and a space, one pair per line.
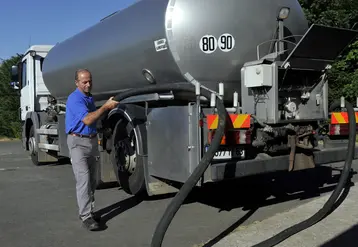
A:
128, 169
33, 147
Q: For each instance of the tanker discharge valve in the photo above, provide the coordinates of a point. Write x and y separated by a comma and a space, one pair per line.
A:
290, 109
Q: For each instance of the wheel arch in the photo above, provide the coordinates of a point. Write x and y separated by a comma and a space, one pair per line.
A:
136, 116
32, 119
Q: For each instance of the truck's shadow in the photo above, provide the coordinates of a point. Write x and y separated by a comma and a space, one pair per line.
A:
268, 190
346, 239
249, 194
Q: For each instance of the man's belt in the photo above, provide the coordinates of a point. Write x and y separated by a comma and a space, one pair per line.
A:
84, 136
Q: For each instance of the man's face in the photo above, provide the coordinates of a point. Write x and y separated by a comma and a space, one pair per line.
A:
84, 82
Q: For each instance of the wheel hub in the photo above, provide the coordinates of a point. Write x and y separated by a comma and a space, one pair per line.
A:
32, 145
125, 155
131, 160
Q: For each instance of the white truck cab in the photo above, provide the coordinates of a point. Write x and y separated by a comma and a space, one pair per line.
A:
43, 132
28, 78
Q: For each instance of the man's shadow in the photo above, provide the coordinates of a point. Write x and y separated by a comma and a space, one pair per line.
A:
108, 213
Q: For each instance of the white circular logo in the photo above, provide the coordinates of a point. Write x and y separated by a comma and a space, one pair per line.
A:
208, 44
226, 42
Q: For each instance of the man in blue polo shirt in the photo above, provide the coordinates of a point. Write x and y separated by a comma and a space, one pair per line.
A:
81, 117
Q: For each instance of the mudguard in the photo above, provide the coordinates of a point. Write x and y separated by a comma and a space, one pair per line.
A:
137, 116
32, 118
134, 114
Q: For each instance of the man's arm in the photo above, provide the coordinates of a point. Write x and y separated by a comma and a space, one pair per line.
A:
92, 117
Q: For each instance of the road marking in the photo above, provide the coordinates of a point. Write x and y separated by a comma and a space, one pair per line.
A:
9, 169
5, 154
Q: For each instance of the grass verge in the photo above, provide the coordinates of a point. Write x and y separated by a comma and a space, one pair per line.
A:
7, 139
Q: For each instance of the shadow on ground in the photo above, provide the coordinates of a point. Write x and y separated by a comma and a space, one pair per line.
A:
346, 239
277, 189
266, 190
250, 194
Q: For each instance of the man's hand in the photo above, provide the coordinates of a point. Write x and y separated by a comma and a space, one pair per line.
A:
94, 116
110, 104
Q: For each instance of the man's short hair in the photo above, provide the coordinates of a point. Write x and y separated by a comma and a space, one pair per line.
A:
79, 71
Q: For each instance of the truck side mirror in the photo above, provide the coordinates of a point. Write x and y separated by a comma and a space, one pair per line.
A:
15, 84
14, 73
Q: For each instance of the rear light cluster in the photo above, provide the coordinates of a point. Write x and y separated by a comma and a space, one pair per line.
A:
339, 129
238, 129
232, 137
340, 124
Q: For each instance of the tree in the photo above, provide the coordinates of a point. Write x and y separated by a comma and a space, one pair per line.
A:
336, 13
343, 77
9, 106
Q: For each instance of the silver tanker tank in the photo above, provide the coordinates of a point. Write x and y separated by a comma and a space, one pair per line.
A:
210, 39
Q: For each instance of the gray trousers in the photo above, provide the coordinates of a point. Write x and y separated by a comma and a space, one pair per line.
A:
83, 152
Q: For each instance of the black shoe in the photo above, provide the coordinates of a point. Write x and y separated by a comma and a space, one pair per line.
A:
90, 224
96, 217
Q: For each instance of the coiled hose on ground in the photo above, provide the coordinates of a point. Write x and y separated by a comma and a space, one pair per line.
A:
205, 161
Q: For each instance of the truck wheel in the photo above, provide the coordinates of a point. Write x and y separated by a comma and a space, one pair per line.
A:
33, 147
128, 168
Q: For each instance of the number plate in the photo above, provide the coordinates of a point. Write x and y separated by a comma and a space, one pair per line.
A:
225, 153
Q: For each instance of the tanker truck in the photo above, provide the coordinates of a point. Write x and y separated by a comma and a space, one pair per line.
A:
260, 60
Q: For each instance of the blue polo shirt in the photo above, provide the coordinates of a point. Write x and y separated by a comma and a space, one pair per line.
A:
78, 105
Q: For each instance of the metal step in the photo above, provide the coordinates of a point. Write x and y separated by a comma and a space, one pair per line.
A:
47, 131
49, 146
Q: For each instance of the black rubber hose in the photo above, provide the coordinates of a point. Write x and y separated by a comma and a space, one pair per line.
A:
200, 169
203, 164
328, 206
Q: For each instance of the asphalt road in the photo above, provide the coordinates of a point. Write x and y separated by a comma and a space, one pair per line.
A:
38, 208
